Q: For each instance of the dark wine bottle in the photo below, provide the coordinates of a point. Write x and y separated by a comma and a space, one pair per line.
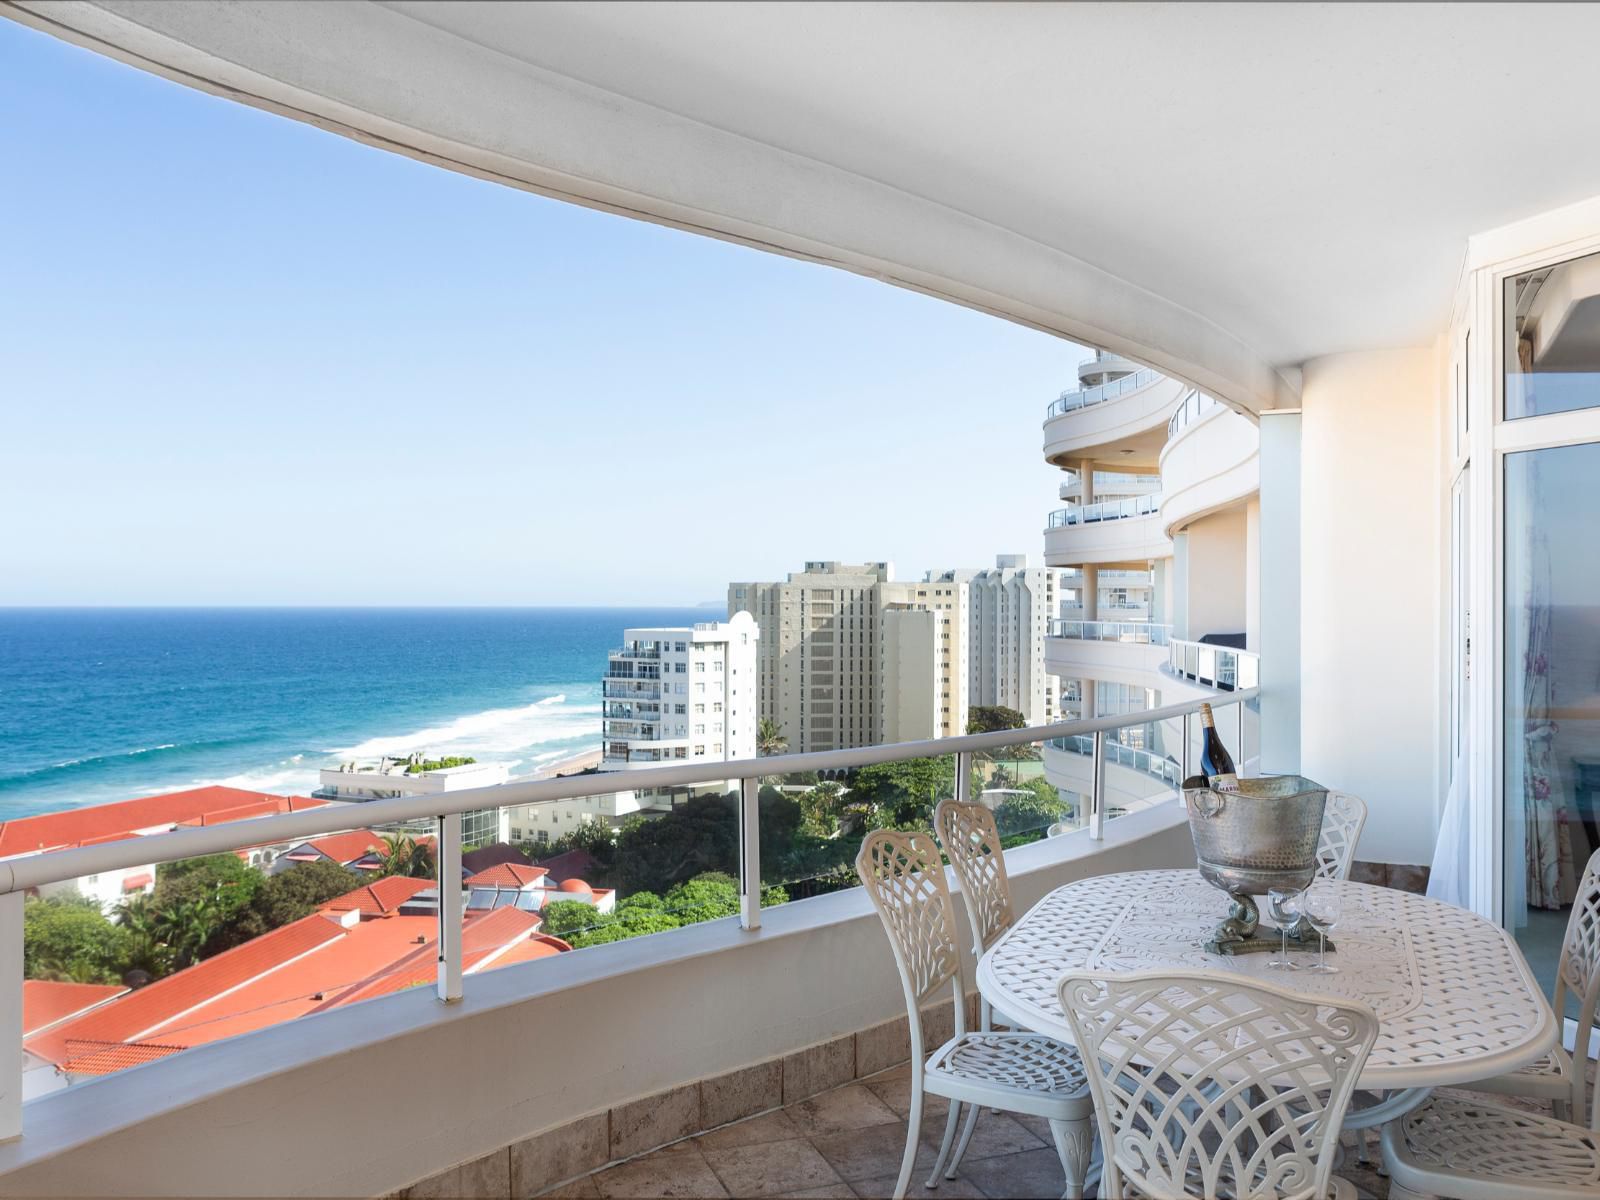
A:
1215, 763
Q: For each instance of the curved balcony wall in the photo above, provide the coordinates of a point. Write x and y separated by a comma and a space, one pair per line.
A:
1131, 652
1211, 460
1128, 414
1135, 779
1119, 531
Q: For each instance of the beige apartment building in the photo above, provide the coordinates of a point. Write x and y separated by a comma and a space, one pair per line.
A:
850, 656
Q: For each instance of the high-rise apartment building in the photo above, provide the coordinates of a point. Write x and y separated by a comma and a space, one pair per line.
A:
843, 651
681, 694
1009, 610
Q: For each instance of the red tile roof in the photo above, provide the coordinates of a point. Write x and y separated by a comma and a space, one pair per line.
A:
380, 897
142, 1013
310, 966
509, 875
342, 848
46, 1002
126, 818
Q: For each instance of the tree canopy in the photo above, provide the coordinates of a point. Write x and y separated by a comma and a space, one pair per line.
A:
992, 718
68, 938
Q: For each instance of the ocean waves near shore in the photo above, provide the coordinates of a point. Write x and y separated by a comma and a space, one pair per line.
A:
100, 705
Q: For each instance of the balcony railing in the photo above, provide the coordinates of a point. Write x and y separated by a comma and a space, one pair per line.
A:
1155, 765
1106, 510
630, 689
1142, 632
21, 875
1220, 667
1071, 401
1194, 406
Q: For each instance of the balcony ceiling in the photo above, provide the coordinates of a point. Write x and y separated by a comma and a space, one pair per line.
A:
1282, 182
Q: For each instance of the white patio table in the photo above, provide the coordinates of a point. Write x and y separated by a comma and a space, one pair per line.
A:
1454, 996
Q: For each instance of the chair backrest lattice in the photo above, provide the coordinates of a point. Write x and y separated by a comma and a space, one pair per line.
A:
972, 840
904, 877
1342, 818
1578, 972
1205, 1084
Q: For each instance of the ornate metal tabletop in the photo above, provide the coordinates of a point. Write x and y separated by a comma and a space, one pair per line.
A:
1454, 997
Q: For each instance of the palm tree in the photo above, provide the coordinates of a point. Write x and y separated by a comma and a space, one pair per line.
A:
404, 855
769, 738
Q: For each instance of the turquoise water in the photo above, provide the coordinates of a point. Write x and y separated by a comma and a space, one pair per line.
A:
105, 704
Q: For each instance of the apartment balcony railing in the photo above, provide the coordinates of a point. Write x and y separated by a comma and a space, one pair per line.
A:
622, 688
1143, 632
1220, 667
627, 652
1071, 401
632, 731
632, 671
22, 875
1106, 510
1194, 406
1157, 766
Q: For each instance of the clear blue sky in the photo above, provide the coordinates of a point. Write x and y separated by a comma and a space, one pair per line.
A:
249, 362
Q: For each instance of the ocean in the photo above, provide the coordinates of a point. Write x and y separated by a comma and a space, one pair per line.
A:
107, 704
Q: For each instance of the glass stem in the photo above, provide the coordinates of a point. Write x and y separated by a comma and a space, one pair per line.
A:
1322, 950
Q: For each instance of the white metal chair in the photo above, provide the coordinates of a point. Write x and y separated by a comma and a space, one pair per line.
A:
1472, 1150
1019, 1072
971, 841
1208, 1085
1556, 1077
1342, 819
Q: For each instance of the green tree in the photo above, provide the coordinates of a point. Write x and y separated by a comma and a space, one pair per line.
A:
769, 738
192, 901
69, 938
704, 898
567, 919
283, 898
147, 951
404, 855
1034, 811
820, 808
900, 794
993, 718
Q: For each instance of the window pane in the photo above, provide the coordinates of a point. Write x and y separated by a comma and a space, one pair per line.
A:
1552, 691
1552, 352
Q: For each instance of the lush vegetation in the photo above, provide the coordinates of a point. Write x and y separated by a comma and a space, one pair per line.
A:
439, 764
705, 897
992, 718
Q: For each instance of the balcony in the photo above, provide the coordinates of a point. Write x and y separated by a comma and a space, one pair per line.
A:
199, 1117
1112, 531
1210, 462
1123, 421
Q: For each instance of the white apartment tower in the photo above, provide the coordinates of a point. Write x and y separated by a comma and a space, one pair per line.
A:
1009, 610
680, 694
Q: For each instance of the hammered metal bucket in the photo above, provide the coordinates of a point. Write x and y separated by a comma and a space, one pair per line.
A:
1261, 837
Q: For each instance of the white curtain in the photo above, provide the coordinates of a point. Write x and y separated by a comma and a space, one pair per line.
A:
1447, 880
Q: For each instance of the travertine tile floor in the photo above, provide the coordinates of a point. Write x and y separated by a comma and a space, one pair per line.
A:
847, 1143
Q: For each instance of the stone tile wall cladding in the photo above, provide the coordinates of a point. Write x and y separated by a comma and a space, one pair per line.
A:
536, 1164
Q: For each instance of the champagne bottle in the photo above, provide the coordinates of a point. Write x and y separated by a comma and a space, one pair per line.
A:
1215, 763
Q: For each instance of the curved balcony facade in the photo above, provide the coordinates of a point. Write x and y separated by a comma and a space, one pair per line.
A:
1135, 778
1211, 461
1131, 652
1114, 531
1124, 421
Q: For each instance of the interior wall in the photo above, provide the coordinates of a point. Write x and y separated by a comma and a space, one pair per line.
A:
1371, 545
1218, 574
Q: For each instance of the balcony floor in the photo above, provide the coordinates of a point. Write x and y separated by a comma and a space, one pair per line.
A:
848, 1142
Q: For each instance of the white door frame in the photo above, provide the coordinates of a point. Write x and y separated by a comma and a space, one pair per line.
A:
1541, 241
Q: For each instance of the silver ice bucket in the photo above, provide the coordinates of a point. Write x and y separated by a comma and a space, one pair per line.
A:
1248, 842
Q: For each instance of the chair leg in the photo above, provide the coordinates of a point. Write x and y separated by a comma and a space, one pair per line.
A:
944, 1146
913, 1133
1075, 1145
1562, 1110
966, 1140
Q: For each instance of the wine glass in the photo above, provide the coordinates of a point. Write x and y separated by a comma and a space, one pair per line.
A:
1283, 906
1323, 906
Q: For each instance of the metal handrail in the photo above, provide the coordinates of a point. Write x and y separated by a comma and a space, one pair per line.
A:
1083, 397
1106, 510
1194, 405
1142, 632
58, 866
1222, 667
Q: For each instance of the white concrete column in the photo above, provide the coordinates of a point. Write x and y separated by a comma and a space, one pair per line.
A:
1180, 585
1085, 482
1091, 592
1160, 581
1252, 574
1278, 608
